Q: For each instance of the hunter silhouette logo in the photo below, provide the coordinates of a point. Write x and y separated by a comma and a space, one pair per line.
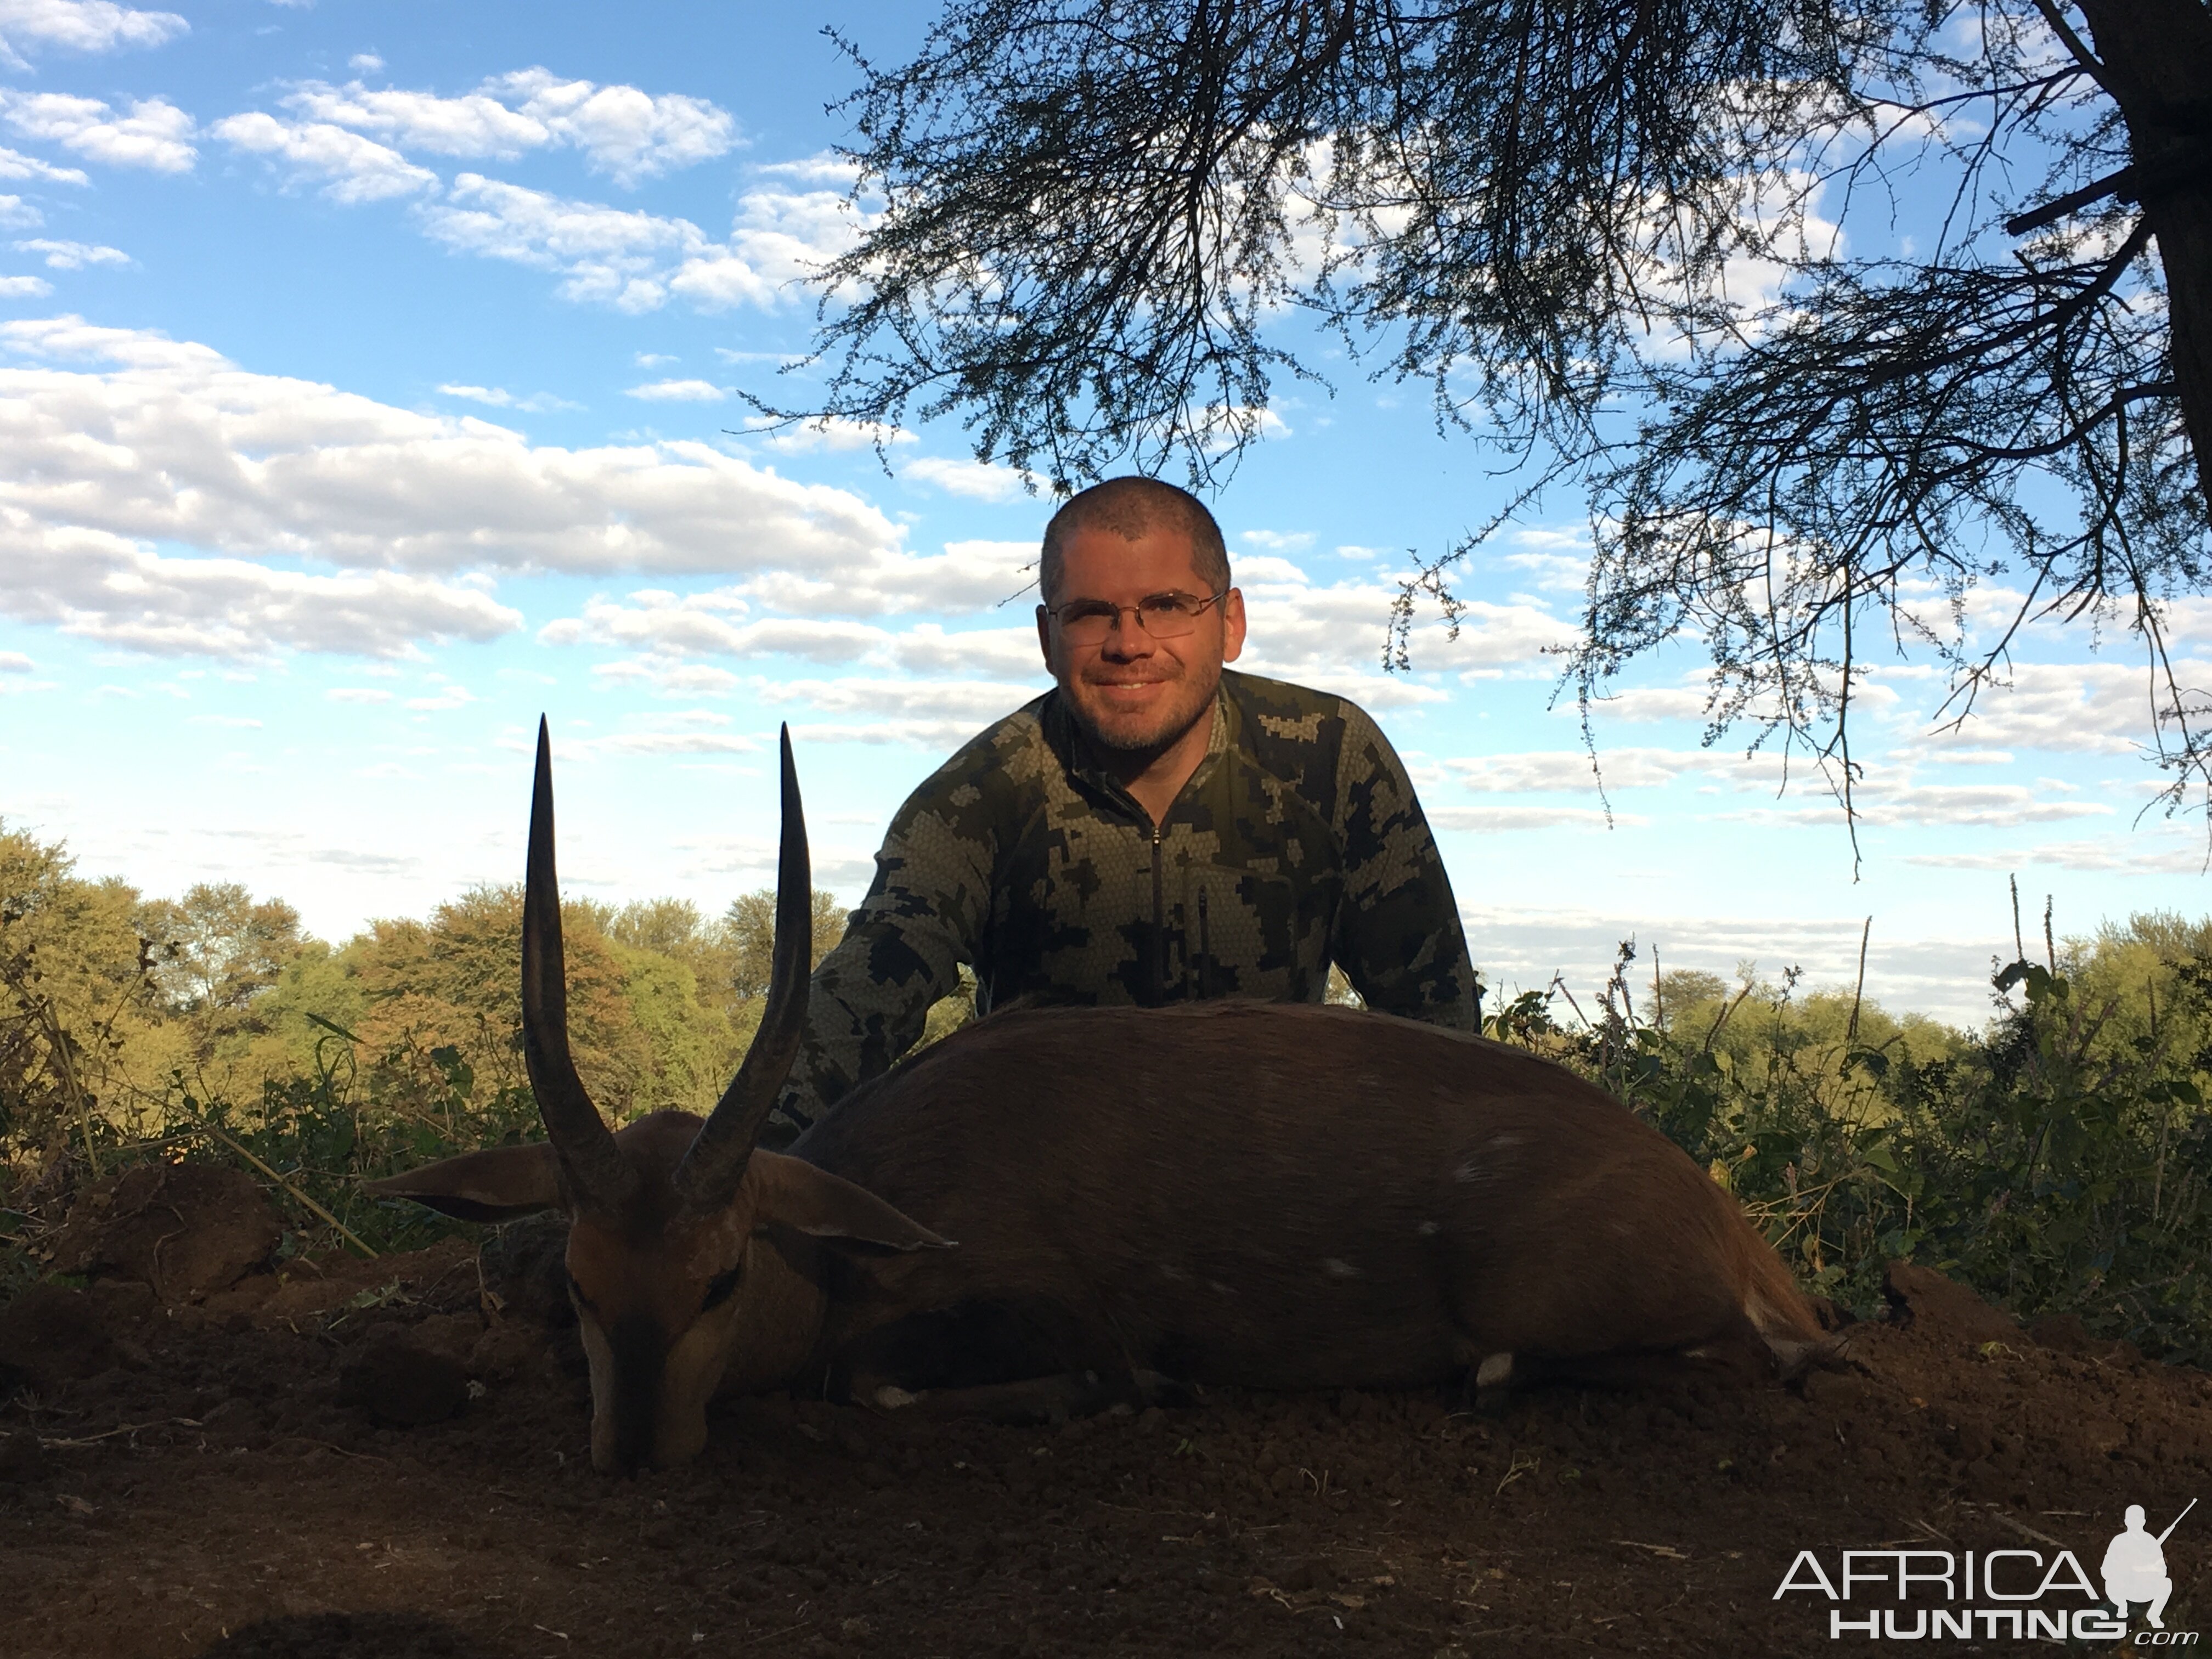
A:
2135, 1566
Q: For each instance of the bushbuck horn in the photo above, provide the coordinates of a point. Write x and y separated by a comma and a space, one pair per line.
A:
573, 1124
716, 1160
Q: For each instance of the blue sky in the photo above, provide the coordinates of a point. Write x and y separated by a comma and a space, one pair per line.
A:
365, 387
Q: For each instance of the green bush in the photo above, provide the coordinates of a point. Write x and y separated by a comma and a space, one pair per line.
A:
2048, 1164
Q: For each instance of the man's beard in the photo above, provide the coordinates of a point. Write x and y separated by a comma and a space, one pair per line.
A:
1135, 732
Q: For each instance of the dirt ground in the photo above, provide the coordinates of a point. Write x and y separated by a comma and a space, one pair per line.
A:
237, 1475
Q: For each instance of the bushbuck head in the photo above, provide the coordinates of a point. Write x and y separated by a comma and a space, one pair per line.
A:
669, 1217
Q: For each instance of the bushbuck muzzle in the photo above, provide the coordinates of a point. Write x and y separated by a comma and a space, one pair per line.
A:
1270, 1195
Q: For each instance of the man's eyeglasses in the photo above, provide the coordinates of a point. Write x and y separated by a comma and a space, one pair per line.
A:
1162, 616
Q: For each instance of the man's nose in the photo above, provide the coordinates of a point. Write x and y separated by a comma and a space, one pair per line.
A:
1126, 640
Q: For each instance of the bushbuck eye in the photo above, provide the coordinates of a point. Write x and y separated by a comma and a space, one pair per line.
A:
719, 1290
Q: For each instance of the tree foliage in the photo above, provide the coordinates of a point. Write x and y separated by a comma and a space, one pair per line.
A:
1093, 213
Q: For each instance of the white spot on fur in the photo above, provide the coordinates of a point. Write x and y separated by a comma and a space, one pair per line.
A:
1507, 1140
890, 1397
1494, 1370
1426, 1229
1219, 1288
1336, 1269
1466, 1172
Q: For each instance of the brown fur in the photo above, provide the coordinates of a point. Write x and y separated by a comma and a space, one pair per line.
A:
1277, 1196
1291, 1196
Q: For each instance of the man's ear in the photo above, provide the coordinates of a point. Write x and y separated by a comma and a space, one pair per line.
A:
497, 1185
1232, 625
792, 1192
1044, 640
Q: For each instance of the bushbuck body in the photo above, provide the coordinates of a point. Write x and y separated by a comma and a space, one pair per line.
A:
1275, 1196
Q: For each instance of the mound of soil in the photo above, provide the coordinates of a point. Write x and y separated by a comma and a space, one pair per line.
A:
251, 1489
184, 1230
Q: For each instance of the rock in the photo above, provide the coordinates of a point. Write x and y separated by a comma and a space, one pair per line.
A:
399, 1382
1925, 1302
51, 1335
187, 1230
507, 1347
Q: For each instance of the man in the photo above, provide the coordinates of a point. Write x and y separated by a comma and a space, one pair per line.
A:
1151, 829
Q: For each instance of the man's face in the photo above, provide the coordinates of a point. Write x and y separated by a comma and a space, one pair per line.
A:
1131, 690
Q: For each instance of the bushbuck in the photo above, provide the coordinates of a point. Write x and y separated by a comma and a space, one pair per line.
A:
1280, 1196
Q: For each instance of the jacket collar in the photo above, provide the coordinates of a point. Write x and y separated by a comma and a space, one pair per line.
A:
1078, 755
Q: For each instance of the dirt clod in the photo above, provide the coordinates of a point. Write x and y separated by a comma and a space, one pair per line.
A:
1925, 1301
187, 1230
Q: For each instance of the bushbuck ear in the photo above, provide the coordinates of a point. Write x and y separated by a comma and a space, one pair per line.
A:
496, 1185
793, 1193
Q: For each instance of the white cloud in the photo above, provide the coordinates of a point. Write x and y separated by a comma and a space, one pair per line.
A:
1569, 770
103, 588
365, 62
1258, 568
120, 440
1492, 819
1881, 801
1302, 632
678, 392
636, 261
823, 168
368, 694
1278, 541
73, 256
13, 164
537, 402
2119, 854
24, 287
981, 480
14, 662
779, 239
155, 134
2103, 707
16, 213
88, 26
350, 167
970, 704
630, 135
968, 577
619, 257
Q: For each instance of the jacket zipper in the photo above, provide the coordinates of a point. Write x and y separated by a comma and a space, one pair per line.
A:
1204, 947
1159, 925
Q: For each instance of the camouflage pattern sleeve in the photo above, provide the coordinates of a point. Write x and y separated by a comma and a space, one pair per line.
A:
922, 918
1398, 934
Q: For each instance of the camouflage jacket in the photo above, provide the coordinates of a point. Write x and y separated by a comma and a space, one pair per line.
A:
1297, 843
